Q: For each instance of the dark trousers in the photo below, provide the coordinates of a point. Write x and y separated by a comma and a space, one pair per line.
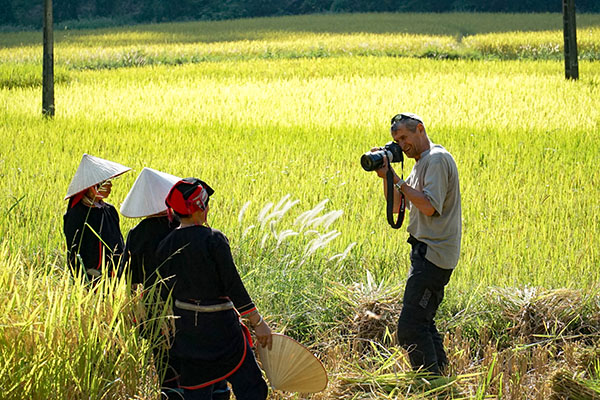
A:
221, 391
423, 294
247, 383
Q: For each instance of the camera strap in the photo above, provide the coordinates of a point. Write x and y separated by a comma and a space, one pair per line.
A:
390, 201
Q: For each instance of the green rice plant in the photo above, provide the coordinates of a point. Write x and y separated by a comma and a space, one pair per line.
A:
299, 127
288, 109
60, 338
27, 75
487, 382
594, 381
544, 45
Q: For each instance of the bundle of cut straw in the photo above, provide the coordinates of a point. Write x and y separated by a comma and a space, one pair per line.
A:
566, 386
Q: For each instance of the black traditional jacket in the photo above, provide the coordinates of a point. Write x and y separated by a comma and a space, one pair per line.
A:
139, 257
96, 249
199, 269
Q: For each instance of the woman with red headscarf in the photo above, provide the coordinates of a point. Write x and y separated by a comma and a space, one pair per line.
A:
209, 298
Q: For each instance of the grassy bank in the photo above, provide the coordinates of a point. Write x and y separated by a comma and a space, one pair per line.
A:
437, 36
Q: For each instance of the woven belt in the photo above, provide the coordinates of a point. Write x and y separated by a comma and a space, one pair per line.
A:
212, 308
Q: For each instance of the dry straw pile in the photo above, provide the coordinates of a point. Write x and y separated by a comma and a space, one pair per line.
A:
520, 343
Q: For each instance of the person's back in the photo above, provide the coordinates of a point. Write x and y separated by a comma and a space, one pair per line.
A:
200, 258
139, 256
209, 297
146, 199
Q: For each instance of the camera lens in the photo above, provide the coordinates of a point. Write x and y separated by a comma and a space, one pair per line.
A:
372, 161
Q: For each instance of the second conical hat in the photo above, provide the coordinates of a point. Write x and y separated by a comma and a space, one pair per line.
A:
147, 195
291, 367
91, 171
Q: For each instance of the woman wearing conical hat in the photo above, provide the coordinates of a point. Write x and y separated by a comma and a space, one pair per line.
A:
91, 225
146, 199
209, 297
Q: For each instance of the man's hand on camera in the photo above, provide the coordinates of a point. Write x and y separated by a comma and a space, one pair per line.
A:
381, 172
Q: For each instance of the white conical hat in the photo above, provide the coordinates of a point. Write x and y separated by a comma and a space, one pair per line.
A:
291, 367
91, 171
147, 195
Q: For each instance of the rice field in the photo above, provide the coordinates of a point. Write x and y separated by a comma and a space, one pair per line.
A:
453, 35
275, 113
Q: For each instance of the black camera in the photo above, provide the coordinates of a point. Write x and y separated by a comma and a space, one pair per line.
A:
373, 160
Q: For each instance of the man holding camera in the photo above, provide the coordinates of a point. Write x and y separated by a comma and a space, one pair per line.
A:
433, 193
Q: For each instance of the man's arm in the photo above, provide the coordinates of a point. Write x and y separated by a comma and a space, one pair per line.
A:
417, 198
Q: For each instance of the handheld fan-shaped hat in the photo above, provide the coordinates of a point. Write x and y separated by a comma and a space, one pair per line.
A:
147, 195
91, 171
292, 367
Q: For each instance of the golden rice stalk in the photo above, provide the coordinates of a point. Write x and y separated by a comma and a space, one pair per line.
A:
567, 386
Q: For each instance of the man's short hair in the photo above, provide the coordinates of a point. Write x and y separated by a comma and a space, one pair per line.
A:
409, 120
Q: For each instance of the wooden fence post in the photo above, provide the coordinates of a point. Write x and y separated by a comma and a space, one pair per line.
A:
570, 35
48, 63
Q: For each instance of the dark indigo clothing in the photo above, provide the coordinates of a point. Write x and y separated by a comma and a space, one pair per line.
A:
139, 263
139, 257
423, 294
247, 384
200, 259
221, 391
83, 245
208, 345
198, 267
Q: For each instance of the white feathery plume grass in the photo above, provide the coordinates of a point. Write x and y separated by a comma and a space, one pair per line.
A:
277, 212
311, 232
319, 242
283, 235
308, 222
243, 211
341, 256
288, 205
263, 241
327, 219
247, 230
280, 202
307, 217
265, 210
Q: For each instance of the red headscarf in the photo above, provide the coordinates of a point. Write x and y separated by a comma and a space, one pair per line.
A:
188, 196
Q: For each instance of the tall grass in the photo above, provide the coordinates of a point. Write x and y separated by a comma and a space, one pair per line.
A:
60, 339
16, 75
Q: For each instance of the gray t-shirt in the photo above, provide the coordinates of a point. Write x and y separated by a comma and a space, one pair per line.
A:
435, 174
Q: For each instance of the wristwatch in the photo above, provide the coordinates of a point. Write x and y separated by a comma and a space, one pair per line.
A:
399, 184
